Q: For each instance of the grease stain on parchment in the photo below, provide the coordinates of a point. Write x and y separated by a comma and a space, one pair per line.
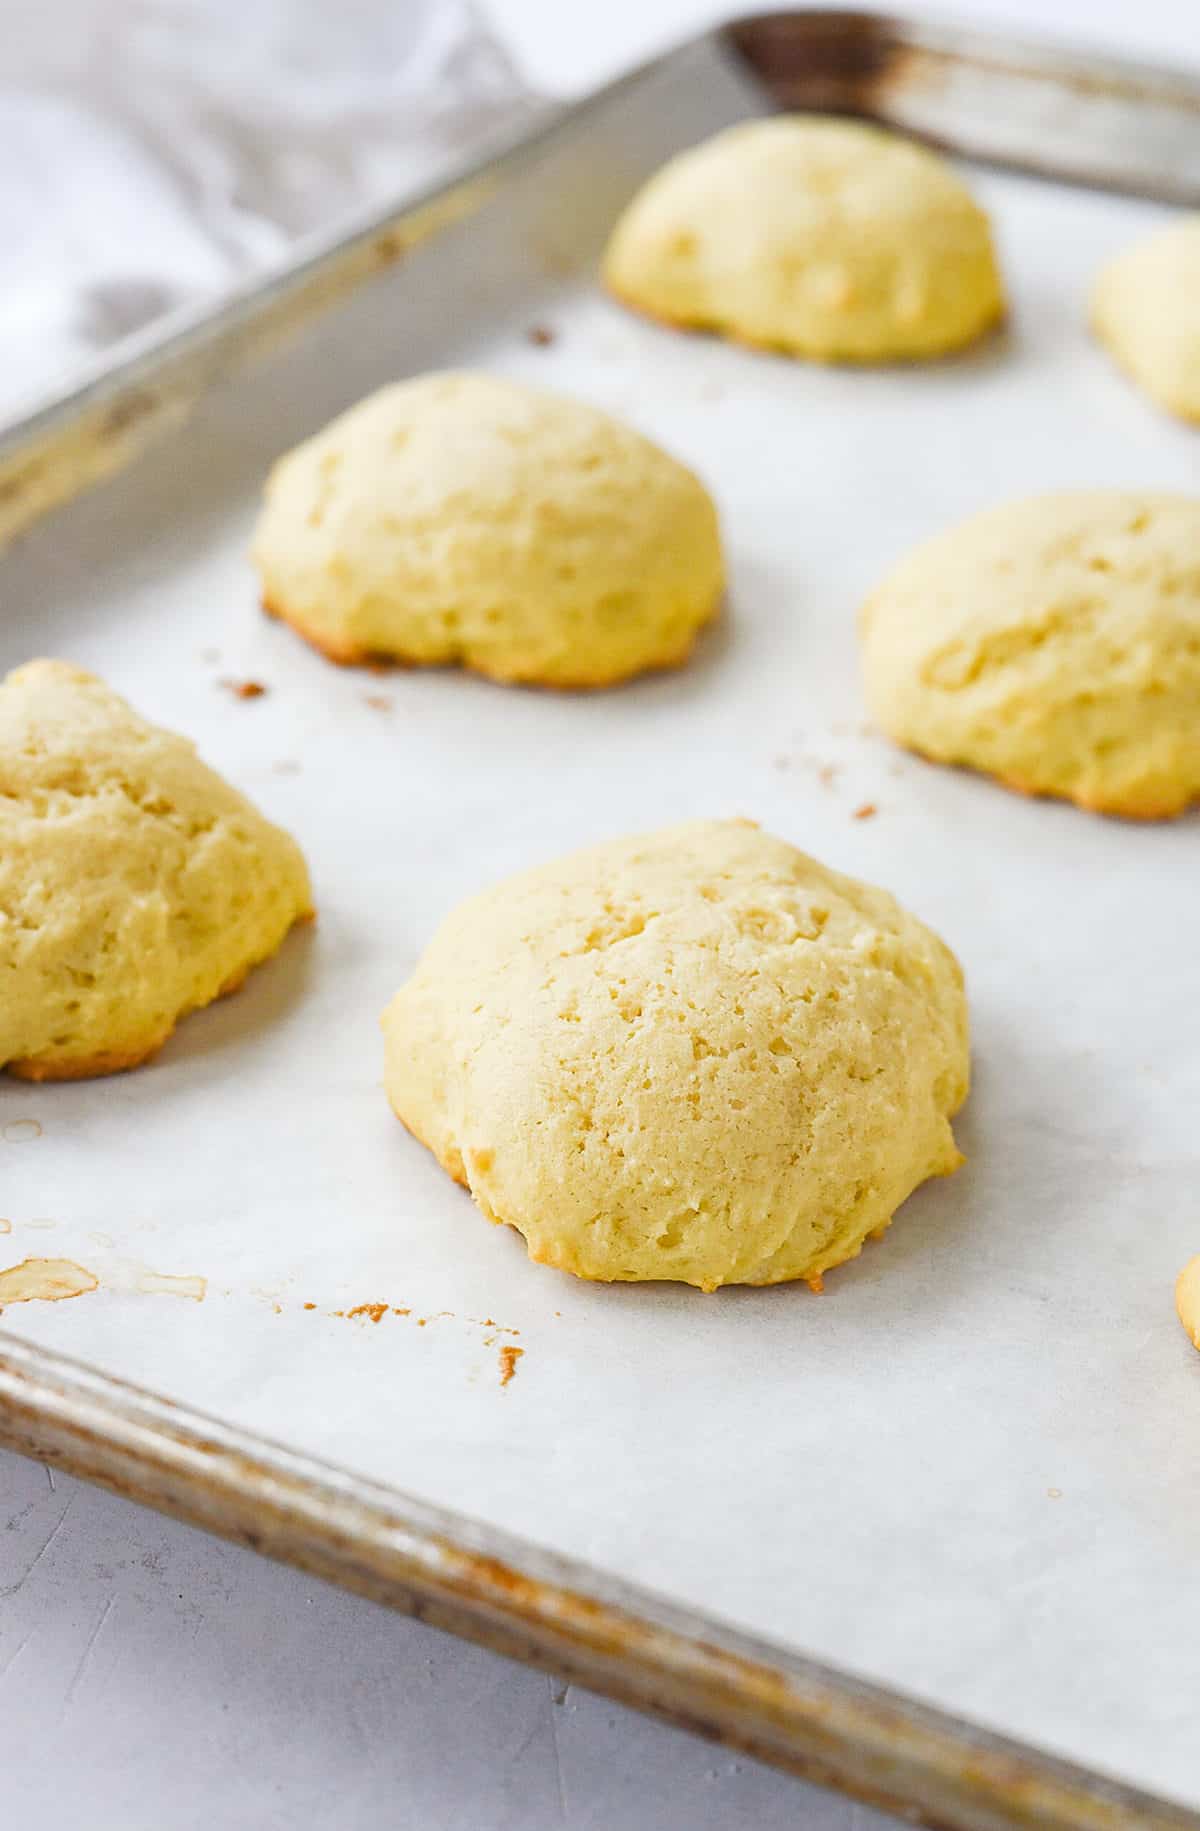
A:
45, 1281
21, 1131
173, 1284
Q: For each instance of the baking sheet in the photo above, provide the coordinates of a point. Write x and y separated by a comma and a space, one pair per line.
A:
966, 1470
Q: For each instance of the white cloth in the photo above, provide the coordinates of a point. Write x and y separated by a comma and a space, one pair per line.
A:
153, 151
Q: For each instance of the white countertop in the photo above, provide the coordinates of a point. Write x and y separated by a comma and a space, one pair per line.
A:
151, 1677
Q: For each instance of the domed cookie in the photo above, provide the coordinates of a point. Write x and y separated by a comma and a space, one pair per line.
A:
135, 885
696, 1055
827, 239
461, 519
1055, 643
1187, 1300
1146, 308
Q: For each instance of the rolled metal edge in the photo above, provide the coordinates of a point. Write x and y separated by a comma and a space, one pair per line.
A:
810, 1718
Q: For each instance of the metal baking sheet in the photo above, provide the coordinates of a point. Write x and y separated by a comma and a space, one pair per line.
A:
931, 1535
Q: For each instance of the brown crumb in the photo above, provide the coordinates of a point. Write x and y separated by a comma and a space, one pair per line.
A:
243, 689
400, 1309
381, 702
374, 1312
541, 336
816, 1283
489, 1322
867, 811
310, 1306
508, 1363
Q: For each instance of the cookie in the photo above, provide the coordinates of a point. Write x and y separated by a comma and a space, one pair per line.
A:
135, 885
1054, 643
1187, 1299
1146, 307
823, 238
695, 1055
459, 519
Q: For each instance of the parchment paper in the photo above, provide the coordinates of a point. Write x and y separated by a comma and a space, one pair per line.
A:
971, 1468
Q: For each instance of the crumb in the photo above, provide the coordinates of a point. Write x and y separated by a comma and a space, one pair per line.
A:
400, 1309
508, 1363
1054, 1493
310, 1306
374, 1312
380, 701
541, 336
816, 1283
243, 689
867, 811
278, 1308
